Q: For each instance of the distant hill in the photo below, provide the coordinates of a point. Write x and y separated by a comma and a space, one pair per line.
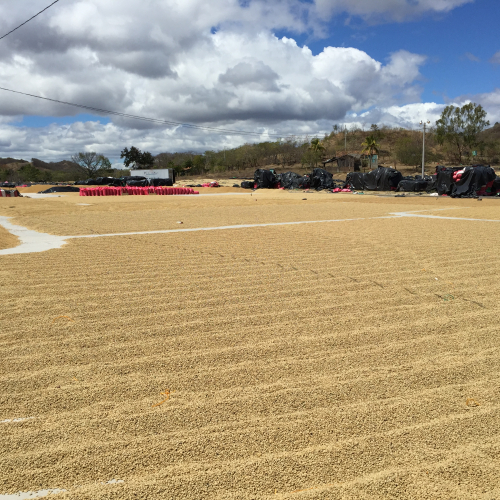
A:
9, 162
491, 134
62, 166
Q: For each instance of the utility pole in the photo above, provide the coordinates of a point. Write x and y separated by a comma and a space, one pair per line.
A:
423, 146
345, 138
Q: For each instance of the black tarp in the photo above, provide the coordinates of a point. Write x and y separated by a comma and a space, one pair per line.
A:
291, 180
355, 180
132, 178
444, 180
100, 181
141, 183
321, 179
161, 182
495, 189
248, 184
105, 181
472, 181
265, 179
380, 179
61, 189
412, 186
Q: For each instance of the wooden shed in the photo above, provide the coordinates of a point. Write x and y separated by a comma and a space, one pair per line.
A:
346, 162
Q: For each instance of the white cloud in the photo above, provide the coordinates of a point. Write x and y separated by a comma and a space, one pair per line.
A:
386, 10
471, 57
211, 63
496, 58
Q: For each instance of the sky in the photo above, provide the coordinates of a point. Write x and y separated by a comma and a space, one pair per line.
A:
262, 68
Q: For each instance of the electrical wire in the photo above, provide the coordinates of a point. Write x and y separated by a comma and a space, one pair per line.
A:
30, 19
146, 119
126, 115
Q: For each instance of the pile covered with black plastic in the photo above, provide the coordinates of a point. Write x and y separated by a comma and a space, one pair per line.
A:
319, 179
474, 181
465, 182
130, 180
380, 179
291, 180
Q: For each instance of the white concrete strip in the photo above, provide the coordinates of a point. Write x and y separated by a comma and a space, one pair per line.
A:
219, 228
407, 214
31, 241
217, 194
15, 420
25, 495
41, 195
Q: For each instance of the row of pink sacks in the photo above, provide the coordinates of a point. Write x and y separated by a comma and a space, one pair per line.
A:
132, 190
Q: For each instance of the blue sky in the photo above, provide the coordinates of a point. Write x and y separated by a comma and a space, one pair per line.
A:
391, 62
447, 39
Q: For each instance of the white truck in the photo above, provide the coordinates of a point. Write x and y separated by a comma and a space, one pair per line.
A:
160, 173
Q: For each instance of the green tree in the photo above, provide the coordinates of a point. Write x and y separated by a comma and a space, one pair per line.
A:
370, 146
138, 159
376, 132
314, 153
409, 151
317, 146
28, 173
92, 164
459, 127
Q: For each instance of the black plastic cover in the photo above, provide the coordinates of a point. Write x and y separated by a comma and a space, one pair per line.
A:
61, 189
265, 179
321, 179
473, 179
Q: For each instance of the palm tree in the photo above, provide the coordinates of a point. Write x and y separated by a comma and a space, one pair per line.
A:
371, 146
316, 147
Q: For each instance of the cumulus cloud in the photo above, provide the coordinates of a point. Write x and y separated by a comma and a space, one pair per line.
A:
496, 58
471, 57
386, 10
212, 63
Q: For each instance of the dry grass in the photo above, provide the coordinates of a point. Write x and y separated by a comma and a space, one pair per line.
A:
7, 240
337, 360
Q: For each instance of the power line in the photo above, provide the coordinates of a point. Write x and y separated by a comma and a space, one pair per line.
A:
125, 115
30, 19
143, 118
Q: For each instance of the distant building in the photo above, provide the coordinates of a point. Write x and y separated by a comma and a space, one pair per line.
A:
353, 162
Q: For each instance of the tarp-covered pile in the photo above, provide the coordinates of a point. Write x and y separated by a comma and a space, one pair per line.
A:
415, 184
61, 189
443, 183
321, 179
265, 179
291, 180
100, 181
465, 182
474, 181
380, 179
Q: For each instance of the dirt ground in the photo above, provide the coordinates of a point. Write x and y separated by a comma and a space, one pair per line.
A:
354, 358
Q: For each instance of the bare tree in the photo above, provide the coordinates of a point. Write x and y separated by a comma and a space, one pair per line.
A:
93, 164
